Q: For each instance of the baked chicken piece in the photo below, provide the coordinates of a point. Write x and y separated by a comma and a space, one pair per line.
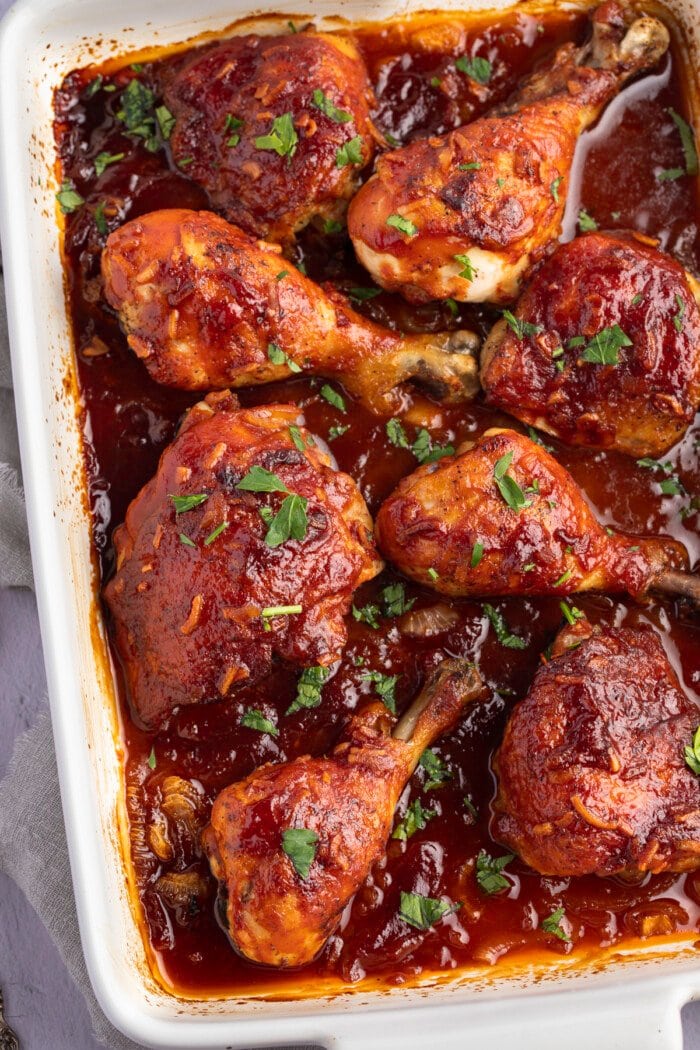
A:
293, 842
503, 517
592, 776
467, 214
205, 306
603, 348
244, 548
276, 129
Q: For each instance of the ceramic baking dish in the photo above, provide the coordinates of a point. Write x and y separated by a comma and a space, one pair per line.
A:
631, 1001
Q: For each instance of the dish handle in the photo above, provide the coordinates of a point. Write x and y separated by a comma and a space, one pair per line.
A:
630, 1016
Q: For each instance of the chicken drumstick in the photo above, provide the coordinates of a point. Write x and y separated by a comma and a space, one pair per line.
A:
591, 772
466, 215
503, 517
206, 307
244, 548
294, 841
603, 348
276, 128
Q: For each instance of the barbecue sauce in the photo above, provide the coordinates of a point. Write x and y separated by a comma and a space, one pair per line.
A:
128, 420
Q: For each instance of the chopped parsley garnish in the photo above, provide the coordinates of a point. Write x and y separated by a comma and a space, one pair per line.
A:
478, 69
337, 431
297, 439
185, 162
564, 578
152, 759
332, 397
103, 160
680, 313
185, 503
94, 86
166, 122
672, 486
252, 718
570, 613
394, 600
534, 436
423, 912
468, 273
349, 153
100, 221
477, 554
521, 328
69, 200
403, 225
278, 357
437, 772
425, 451
473, 165
384, 687
300, 846
670, 174
508, 486
471, 808
488, 872
392, 140
322, 102
215, 533
290, 521
604, 348
692, 753
258, 479
281, 138
435, 82
636, 300
586, 222
433, 574
552, 924
137, 113
271, 611
368, 614
281, 275
185, 540
415, 820
332, 226
309, 689
452, 306
502, 631
362, 294
690, 153
554, 188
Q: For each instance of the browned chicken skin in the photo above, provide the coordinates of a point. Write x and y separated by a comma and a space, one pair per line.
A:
592, 777
644, 398
467, 214
196, 586
205, 306
275, 914
503, 517
226, 101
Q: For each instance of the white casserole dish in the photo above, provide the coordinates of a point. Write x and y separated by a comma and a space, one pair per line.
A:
633, 1002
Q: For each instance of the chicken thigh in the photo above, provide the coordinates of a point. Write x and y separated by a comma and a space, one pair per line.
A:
275, 128
244, 548
467, 214
205, 306
503, 517
293, 842
592, 777
603, 348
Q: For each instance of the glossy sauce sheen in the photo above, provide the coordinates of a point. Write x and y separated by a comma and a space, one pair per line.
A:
129, 419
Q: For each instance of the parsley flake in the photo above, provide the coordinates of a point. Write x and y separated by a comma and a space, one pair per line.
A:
69, 200
478, 69
554, 188
103, 161
586, 222
300, 846
368, 614
278, 357
290, 521
604, 348
477, 554
152, 758
437, 772
332, 397
521, 328
360, 295
166, 122
337, 431
282, 137
215, 533
680, 313
309, 689
415, 820
468, 273
692, 753
423, 912
384, 687
403, 225
297, 439
185, 540
252, 718
185, 503
552, 924
394, 600
508, 486
688, 142
502, 631
322, 102
488, 872
349, 153
258, 479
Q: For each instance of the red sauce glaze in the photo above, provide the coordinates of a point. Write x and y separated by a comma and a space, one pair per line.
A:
129, 419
